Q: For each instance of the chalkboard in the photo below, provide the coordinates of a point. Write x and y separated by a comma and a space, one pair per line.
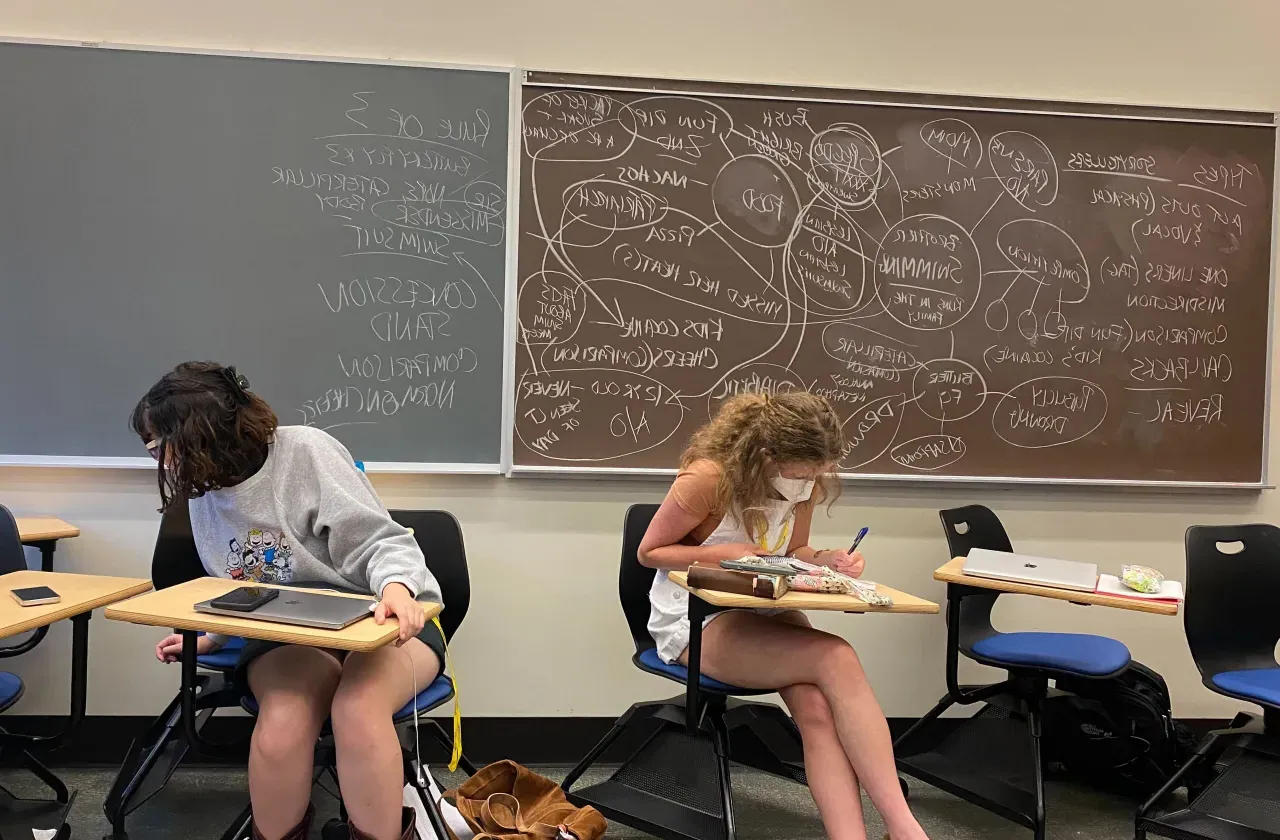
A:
336, 230
983, 291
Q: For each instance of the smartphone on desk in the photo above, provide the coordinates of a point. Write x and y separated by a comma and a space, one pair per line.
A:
245, 598
35, 596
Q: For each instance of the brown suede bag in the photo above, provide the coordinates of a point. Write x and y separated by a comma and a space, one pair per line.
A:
505, 801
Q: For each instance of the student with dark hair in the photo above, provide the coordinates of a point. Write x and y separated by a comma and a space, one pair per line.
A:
286, 504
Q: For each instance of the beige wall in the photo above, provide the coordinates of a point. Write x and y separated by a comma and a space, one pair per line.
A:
545, 635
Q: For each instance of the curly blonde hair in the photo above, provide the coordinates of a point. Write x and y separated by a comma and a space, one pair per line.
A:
752, 434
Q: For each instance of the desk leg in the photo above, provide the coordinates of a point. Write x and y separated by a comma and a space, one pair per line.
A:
79, 682
190, 687
46, 552
79, 669
698, 612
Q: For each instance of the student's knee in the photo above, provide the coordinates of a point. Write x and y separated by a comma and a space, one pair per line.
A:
809, 708
837, 660
359, 712
287, 727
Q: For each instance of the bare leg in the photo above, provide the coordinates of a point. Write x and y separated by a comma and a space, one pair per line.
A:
293, 686
756, 651
374, 687
832, 782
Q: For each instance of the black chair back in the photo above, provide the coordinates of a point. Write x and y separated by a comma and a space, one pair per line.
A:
635, 580
440, 537
967, 528
175, 559
973, 526
1230, 615
12, 557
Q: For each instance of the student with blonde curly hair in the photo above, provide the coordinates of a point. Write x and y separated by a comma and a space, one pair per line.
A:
748, 485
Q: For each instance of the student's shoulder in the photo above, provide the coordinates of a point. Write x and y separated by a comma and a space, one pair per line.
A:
701, 471
695, 487
308, 442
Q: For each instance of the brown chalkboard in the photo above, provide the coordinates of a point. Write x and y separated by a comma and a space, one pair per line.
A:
1024, 293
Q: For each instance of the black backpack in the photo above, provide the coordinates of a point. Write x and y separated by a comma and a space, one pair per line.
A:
1118, 734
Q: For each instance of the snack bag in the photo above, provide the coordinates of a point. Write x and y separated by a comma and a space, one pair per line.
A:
1142, 579
831, 582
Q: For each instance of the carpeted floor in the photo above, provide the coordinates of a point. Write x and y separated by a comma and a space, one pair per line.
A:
199, 803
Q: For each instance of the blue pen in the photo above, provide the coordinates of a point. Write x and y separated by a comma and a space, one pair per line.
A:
858, 539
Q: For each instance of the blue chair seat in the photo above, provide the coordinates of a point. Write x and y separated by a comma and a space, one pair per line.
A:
648, 660
1261, 685
440, 691
223, 659
1072, 653
11, 689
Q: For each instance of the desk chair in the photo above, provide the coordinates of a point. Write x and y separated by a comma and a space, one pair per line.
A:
440, 537
153, 758
993, 759
1232, 624
673, 751
13, 559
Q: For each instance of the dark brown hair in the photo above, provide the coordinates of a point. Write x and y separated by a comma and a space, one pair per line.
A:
754, 433
212, 431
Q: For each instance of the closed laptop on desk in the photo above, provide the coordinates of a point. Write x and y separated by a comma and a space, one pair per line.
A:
1036, 571
303, 609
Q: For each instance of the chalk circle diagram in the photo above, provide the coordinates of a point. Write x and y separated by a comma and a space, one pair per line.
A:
754, 198
573, 126
948, 389
561, 306
846, 165
1024, 167
1049, 411
825, 257
929, 453
1048, 262
637, 413
955, 140
928, 273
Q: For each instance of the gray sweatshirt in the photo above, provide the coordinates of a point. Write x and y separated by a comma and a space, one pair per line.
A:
309, 515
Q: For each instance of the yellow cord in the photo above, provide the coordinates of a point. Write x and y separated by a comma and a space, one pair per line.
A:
783, 539
457, 703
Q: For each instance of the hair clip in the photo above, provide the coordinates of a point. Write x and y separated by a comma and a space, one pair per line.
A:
239, 384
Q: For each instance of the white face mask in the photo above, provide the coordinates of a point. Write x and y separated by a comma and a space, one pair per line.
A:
793, 489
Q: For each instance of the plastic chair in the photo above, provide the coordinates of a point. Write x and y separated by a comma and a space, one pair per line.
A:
1232, 625
440, 537
13, 559
993, 759
664, 784
153, 758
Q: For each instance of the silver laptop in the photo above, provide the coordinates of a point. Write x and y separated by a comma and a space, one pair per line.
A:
1039, 571
304, 609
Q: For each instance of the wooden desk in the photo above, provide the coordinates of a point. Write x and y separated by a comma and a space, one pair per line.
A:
953, 572
43, 532
902, 602
174, 607
80, 594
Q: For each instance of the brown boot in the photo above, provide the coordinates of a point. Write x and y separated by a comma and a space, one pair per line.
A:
408, 831
298, 832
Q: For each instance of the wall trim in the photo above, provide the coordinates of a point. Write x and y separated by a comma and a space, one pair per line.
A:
103, 740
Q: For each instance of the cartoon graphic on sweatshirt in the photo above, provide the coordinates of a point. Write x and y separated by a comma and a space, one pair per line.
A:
264, 557
235, 560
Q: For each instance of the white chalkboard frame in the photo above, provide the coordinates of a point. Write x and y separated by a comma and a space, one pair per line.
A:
515, 78
1111, 110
